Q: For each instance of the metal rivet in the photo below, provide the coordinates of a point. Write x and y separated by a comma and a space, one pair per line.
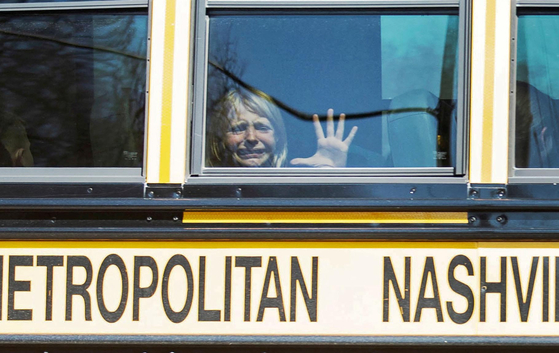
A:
175, 218
501, 219
501, 192
179, 192
89, 190
151, 194
149, 219
473, 219
53, 220
413, 190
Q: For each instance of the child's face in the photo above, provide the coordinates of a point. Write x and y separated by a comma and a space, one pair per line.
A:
250, 138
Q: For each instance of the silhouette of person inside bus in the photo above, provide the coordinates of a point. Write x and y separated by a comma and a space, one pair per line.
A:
537, 129
14, 144
247, 130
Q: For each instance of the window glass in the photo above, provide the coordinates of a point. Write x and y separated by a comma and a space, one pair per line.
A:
406, 52
537, 105
72, 89
30, 1
393, 75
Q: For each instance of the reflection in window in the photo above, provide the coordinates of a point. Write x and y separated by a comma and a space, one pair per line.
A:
393, 76
72, 89
537, 97
30, 1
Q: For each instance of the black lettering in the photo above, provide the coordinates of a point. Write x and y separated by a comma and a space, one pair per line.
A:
429, 303
112, 316
460, 288
49, 262
78, 289
203, 314
143, 292
271, 302
524, 305
248, 262
310, 301
403, 299
545, 289
227, 299
18, 286
177, 316
493, 287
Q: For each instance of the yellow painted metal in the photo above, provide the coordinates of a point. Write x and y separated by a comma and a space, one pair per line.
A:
322, 217
489, 91
229, 244
490, 83
167, 107
128, 244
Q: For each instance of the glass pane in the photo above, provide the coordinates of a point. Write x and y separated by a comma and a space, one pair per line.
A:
537, 105
394, 76
30, 1
72, 89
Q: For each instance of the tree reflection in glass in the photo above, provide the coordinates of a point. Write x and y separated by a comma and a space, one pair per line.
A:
392, 75
75, 84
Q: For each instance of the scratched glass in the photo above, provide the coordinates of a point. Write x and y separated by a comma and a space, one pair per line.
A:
393, 75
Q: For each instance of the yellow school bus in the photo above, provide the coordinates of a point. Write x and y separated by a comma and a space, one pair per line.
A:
239, 175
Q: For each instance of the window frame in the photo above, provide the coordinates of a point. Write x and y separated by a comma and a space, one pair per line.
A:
198, 173
82, 174
524, 175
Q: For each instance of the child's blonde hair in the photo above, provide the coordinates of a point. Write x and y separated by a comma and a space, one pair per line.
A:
218, 124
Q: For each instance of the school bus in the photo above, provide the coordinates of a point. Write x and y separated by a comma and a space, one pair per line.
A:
279, 174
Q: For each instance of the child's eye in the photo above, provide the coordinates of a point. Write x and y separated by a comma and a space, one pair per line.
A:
238, 128
262, 127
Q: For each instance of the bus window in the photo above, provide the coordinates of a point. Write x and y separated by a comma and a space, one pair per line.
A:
72, 88
318, 89
537, 98
49, 1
